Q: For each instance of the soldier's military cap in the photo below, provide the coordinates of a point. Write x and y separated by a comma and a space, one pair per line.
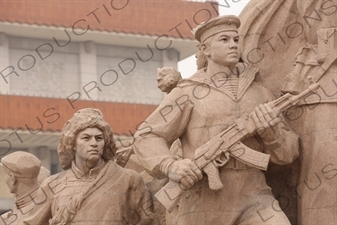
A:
215, 26
22, 164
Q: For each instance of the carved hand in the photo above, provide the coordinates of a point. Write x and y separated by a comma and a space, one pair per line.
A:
266, 119
185, 172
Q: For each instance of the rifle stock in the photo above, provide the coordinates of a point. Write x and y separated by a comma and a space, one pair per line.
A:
169, 195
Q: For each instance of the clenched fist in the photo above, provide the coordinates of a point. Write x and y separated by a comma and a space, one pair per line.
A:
185, 172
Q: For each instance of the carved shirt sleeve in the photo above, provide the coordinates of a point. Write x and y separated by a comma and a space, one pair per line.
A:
284, 149
155, 136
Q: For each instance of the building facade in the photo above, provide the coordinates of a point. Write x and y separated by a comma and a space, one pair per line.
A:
59, 57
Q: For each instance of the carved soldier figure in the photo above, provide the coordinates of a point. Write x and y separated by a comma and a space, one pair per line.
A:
200, 108
315, 119
92, 189
167, 79
303, 33
21, 176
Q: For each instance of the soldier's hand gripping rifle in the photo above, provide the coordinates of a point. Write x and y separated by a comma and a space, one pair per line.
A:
216, 152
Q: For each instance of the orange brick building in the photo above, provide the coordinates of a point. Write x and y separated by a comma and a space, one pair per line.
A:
57, 57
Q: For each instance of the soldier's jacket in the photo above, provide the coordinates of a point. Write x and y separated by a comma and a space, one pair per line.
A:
120, 197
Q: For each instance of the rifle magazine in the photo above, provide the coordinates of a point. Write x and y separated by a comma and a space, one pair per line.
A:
250, 157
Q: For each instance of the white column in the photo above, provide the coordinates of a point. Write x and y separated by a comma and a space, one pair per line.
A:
43, 153
88, 70
4, 63
170, 58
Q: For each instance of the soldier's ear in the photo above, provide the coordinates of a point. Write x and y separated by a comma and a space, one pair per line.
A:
13, 178
205, 49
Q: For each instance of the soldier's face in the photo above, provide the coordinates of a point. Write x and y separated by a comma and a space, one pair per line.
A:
89, 144
224, 48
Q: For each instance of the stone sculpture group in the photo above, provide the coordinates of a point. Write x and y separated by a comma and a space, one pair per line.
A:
211, 138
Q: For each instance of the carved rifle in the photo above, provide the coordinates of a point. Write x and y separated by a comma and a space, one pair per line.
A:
217, 151
123, 155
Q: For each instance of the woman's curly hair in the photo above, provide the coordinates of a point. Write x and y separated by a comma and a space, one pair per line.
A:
82, 119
